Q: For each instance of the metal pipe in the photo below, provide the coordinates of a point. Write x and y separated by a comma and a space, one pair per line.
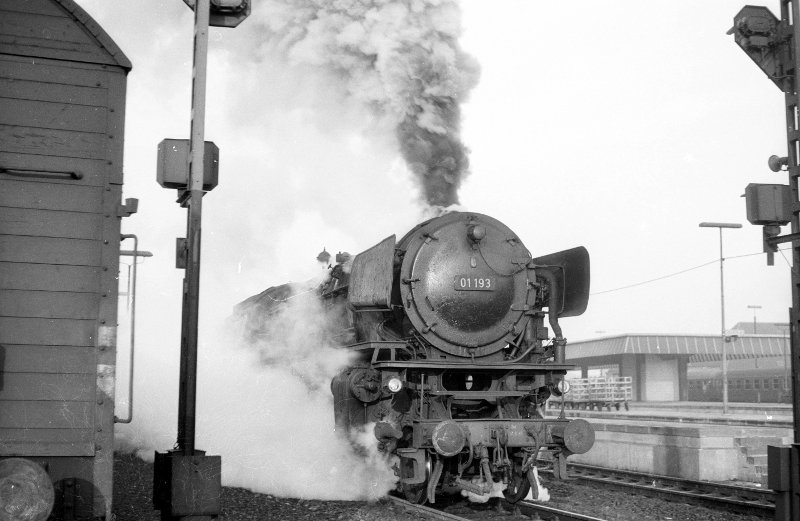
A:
132, 284
553, 307
421, 396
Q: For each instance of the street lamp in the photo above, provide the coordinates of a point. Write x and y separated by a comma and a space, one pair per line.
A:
720, 226
754, 308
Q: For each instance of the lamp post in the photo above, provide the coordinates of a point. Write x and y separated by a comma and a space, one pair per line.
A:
754, 308
720, 226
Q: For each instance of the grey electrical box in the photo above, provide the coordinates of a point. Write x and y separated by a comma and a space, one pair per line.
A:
768, 204
173, 164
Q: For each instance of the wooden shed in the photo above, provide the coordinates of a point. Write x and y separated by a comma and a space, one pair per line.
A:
62, 106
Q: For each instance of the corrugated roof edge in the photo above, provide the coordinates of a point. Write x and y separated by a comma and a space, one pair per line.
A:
701, 335
94, 28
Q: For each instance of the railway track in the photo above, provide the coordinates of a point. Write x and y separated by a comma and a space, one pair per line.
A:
548, 513
732, 497
424, 511
523, 508
725, 499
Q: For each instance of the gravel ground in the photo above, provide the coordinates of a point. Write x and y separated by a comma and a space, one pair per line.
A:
133, 501
616, 505
133, 489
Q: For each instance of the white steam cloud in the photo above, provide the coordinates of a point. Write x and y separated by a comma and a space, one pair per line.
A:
283, 440
266, 406
308, 131
399, 58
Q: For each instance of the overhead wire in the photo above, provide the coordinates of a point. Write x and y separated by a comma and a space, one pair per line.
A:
787, 262
681, 272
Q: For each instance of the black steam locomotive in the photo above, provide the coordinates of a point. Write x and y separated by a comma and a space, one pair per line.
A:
453, 359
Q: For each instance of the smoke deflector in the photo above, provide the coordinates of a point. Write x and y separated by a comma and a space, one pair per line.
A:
571, 271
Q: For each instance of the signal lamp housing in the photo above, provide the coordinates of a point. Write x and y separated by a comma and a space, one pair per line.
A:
225, 13
768, 204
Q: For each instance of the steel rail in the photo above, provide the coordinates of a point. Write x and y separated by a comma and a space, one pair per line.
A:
428, 512
703, 492
530, 508
527, 508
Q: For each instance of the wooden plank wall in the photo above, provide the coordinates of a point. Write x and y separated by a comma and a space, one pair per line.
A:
54, 117
62, 110
42, 28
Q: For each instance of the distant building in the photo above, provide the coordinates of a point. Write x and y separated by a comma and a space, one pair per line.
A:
763, 328
658, 364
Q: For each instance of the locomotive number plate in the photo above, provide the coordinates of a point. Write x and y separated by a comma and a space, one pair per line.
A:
465, 283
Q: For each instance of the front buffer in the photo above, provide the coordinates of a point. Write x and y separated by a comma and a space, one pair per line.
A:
442, 442
484, 456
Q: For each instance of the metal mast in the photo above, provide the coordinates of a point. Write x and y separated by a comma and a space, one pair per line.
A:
774, 45
187, 482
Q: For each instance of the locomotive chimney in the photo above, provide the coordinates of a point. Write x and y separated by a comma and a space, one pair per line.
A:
324, 257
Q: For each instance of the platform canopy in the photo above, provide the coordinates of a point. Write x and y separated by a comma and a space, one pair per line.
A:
699, 348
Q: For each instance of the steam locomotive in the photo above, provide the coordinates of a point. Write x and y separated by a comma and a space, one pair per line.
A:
452, 358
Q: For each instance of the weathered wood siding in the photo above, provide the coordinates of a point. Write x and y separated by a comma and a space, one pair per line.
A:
62, 103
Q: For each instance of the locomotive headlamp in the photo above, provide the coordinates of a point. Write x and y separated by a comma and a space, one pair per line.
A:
394, 384
562, 386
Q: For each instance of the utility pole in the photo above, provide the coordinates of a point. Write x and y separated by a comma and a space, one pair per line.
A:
774, 45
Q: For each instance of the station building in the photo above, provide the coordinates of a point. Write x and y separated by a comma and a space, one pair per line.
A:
660, 365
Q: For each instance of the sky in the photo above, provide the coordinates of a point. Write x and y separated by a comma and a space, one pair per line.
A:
618, 126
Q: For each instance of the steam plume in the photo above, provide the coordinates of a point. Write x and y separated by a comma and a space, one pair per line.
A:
289, 329
400, 58
265, 406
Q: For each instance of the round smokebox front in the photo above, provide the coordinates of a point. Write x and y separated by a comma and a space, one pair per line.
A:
464, 283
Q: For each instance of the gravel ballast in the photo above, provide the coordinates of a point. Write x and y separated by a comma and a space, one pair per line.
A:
133, 488
133, 501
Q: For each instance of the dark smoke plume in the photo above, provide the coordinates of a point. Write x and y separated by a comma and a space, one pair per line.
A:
439, 161
400, 58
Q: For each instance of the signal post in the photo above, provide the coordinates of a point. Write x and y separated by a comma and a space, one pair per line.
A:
774, 45
187, 482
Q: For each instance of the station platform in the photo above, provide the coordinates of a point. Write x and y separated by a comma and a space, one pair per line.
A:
753, 414
691, 440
